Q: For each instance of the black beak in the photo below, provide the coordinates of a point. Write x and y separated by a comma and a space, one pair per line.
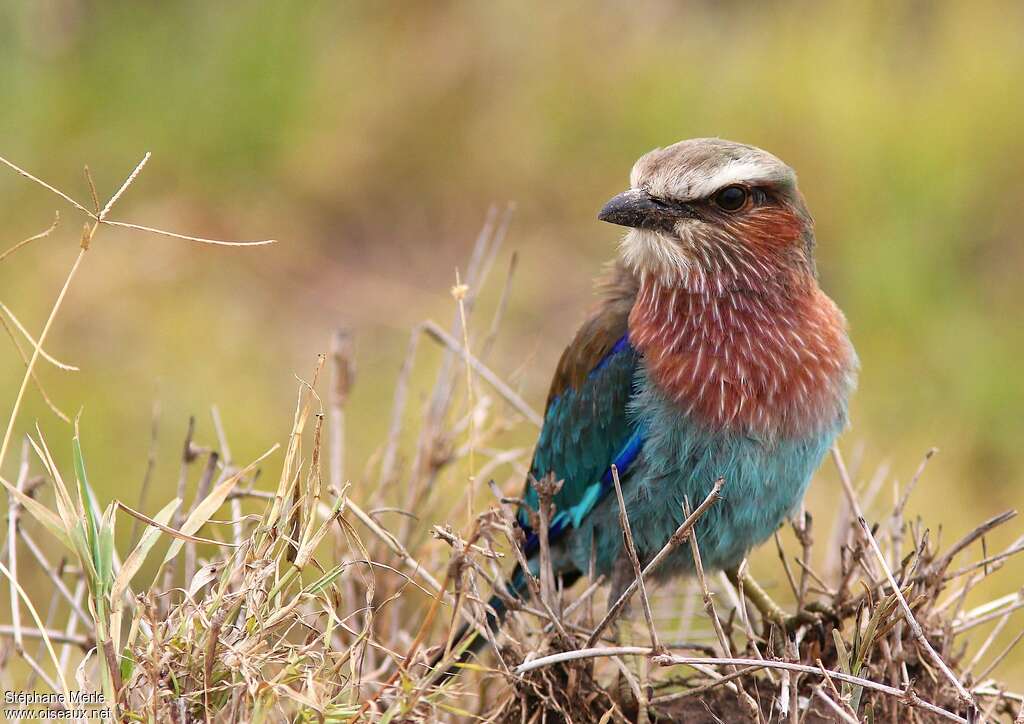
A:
638, 209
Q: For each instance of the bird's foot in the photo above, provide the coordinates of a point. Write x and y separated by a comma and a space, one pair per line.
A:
815, 613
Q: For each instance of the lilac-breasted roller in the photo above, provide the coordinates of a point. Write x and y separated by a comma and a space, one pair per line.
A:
713, 353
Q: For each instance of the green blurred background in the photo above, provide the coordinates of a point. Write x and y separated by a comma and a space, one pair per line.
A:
370, 138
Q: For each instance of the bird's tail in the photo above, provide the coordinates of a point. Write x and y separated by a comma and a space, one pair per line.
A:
497, 609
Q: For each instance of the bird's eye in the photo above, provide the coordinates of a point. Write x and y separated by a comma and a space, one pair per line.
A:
731, 198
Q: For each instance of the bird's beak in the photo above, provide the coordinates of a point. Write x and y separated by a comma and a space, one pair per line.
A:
638, 209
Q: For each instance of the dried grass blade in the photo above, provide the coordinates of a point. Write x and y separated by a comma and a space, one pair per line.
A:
137, 557
42, 352
211, 503
50, 520
35, 237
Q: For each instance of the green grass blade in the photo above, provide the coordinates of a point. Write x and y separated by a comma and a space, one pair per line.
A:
85, 499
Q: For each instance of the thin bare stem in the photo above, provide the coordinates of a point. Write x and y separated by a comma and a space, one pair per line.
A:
186, 237
41, 235
634, 559
46, 186
42, 352
915, 627
709, 608
1001, 657
343, 375
674, 540
59, 637
510, 395
16, 407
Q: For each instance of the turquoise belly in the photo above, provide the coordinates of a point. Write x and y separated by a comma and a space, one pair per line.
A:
765, 480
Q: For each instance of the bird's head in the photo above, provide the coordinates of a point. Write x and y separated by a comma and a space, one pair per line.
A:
713, 216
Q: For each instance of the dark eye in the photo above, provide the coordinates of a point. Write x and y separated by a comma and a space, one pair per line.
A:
731, 198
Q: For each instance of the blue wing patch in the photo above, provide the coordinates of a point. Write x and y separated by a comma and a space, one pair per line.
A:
594, 492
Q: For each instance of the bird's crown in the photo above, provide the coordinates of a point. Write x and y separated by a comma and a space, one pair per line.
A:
695, 169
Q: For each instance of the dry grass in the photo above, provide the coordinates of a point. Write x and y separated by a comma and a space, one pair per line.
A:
322, 598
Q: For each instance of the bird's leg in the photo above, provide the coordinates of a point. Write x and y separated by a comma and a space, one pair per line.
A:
813, 613
620, 579
622, 575
770, 611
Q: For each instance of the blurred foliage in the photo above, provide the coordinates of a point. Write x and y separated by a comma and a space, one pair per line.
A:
371, 138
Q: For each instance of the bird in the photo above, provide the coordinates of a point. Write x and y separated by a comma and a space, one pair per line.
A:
712, 354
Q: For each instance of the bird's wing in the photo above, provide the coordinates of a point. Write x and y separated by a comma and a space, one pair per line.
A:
587, 428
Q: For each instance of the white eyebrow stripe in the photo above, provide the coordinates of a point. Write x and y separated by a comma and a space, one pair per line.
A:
745, 171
